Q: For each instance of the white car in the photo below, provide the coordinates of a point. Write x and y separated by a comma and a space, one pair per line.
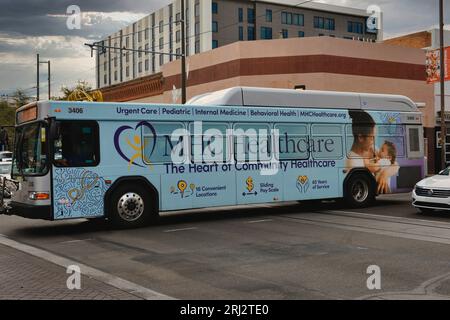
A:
5, 172
433, 193
5, 156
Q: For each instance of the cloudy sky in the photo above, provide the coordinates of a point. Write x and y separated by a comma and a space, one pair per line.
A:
28, 27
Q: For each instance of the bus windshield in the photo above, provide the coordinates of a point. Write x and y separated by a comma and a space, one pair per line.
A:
30, 152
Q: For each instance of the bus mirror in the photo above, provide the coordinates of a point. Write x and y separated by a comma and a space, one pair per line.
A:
43, 137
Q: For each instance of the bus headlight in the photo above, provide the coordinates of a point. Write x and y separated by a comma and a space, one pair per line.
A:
39, 195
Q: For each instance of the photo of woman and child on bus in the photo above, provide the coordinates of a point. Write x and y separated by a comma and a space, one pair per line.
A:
382, 163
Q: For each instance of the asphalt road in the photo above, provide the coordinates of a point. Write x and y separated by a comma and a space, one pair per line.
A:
304, 250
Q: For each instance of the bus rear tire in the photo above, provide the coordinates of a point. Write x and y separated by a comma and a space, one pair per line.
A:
132, 207
359, 191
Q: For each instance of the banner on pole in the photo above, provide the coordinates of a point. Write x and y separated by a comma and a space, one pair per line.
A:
433, 65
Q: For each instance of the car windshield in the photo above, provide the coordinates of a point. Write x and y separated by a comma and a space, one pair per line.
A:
445, 172
30, 152
5, 168
6, 155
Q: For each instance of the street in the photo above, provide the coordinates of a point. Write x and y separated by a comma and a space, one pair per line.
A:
304, 250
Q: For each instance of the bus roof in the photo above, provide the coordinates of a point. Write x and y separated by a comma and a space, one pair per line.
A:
271, 97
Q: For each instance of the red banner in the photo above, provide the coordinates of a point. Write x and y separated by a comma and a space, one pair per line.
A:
433, 65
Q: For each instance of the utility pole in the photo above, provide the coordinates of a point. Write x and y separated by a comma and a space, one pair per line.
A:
442, 83
183, 54
37, 77
49, 89
38, 62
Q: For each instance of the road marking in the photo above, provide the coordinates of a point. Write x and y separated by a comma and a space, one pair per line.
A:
74, 241
96, 274
258, 221
432, 223
381, 227
182, 229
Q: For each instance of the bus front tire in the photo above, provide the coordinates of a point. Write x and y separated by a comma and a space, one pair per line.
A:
132, 207
360, 191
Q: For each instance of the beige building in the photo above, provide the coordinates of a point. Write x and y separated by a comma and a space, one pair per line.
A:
215, 23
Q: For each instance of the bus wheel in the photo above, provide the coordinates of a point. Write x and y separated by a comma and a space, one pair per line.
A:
360, 192
131, 207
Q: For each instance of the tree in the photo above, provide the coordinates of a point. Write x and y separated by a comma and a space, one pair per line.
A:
20, 98
7, 116
81, 86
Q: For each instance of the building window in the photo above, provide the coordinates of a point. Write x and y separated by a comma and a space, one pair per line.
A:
301, 34
139, 36
127, 57
298, 20
177, 18
161, 59
286, 18
329, 24
319, 22
146, 33
140, 67
241, 34
268, 15
284, 33
161, 26
127, 42
250, 15
266, 33
104, 66
241, 14
178, 53
355, 27
115, 75
140, 52
197, 28
215, 44
197, 46
197, 10
105, 80
115, 61
215, 8
146, 65
161, 43
215, 26
251, 33
178, 36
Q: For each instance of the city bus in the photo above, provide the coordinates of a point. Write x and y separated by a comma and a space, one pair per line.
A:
127, 162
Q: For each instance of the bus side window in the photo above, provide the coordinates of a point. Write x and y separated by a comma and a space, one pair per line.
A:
252, 142
392, 136
327, 141
212, 142
293, 141
76, 144
159, 149
415, 145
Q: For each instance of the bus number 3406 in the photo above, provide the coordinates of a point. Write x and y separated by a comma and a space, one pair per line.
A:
75, 110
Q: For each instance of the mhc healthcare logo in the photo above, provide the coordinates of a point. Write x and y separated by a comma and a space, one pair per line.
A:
213, 145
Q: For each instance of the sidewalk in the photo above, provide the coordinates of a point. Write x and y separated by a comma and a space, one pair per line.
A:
23, 276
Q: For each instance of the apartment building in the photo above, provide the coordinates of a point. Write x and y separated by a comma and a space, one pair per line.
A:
214, 23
